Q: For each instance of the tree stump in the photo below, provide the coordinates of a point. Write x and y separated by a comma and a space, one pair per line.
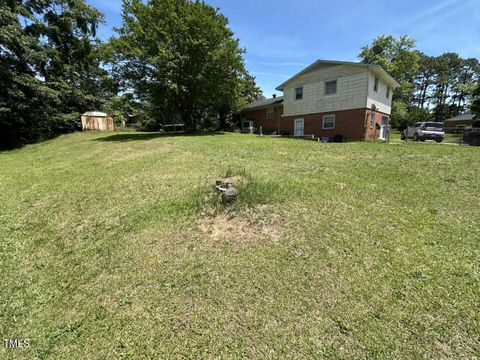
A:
229, 194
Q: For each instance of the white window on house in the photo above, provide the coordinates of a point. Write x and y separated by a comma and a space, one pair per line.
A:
331, 87
270, 114
328, 122
299, 93
375, 85
372, 120
388, 92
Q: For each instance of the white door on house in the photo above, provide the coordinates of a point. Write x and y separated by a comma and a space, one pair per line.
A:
298, 131
384, 129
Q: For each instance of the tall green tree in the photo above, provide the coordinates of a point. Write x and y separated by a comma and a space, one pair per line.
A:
465, 82
180, 57
398, 56
49, 67
447, 68
475, 107
25, 101
67, 31
424, 80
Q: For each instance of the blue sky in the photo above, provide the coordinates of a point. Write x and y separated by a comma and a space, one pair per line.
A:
282, 37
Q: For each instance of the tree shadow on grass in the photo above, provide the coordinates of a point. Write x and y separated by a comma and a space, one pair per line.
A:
124, 137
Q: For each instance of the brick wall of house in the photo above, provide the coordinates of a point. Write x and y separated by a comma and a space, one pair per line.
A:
260, 117
348, 123
372, 133
450, 124
352, 124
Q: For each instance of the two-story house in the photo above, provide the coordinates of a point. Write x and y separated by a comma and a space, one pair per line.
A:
328, 99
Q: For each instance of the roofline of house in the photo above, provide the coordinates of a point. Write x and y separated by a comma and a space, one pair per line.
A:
273, 104
393, 83
262, 107
459, 120
374, 67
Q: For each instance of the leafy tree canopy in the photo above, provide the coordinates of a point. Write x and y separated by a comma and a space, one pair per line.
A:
431, 87
180, 57
49, 67
475, 108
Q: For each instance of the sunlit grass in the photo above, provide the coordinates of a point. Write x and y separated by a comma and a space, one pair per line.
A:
116, 246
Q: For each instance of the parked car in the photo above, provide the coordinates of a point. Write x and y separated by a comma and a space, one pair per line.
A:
472, 137
424, 131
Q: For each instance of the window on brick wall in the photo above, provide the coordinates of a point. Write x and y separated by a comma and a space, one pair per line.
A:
375, 85
270, 113
331, 87
328, 122
299, 93
372, 120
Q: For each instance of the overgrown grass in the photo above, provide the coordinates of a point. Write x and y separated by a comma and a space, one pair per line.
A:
207, 200
116, 246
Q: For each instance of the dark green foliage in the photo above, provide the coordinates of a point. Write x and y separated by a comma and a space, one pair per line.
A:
180, 58
50, 69
123, 108
24, 99
475, 108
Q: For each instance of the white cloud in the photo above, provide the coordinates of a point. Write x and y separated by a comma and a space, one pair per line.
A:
432, 11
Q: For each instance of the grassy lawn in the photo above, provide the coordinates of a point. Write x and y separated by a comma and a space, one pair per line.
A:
115, 246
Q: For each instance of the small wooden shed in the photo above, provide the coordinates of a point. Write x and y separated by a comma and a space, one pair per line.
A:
96, 120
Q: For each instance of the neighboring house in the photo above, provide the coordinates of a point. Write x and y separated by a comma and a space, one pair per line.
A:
457, 123
329, 98
265, 113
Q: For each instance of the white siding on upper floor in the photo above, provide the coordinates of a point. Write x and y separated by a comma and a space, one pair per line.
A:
379, 98
352, 84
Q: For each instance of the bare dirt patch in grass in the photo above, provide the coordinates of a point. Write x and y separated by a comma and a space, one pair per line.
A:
253, 226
